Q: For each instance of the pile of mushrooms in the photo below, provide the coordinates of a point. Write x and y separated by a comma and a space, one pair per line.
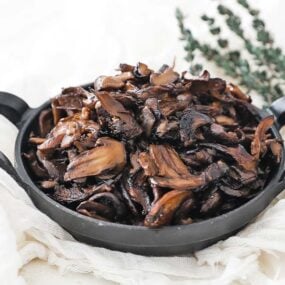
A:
152, 148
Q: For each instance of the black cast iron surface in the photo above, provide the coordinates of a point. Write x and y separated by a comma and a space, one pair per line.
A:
170, 240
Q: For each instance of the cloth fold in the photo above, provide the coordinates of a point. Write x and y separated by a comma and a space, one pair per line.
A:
27, 234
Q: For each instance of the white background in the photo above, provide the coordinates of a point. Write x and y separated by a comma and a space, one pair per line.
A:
47, 45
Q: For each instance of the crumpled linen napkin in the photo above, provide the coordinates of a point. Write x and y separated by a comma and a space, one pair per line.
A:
250, 257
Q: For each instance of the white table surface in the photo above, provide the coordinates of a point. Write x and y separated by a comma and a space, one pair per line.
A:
47, 45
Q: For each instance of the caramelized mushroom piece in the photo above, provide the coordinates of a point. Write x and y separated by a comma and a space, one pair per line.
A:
45, 122
225, 120
237, 93
239, 154
168, 129
105, 161
126, 196
257, 146
112, 82
95, 210
168, 76
123, 67
190, 122
212, 110
72, 98
182, 215
67, 131
130, 127
276, 149
239, 193
110, 198
142, 70
48, 184
170, 106
163, 210
198, 157
211, 203
35, 140
167, 161
180, 183
148, 165
36, 168
72, 194
137, 189
206, 85
148, 120
220, 134
212, 173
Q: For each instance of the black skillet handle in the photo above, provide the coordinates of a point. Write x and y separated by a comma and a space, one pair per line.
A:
7, 166
277, 108
12, 107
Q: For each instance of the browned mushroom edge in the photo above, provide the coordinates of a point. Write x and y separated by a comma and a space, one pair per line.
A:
152, 148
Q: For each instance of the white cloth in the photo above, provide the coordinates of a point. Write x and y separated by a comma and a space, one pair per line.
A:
46, 45
26, 234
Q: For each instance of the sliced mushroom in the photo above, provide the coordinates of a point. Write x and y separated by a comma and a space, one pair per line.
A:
148, 164
212, 202
190, 122
225, 120
71, 98
67, 131
123, 67
35, 140
167, 161
215, 170
72, 194
137, 189
243, 177
239, 193
219, 133
112, 82
168, 76
171, 105
206, 85
212, 110
239, 154
135, 166
95, 210
104, 161
259, 137
212, 173
126, 195
55, 167
48, 184
198, 157
182, 214
179, 183
34, 165
237, 93
126, 100
163, 210
168, 130
276, 149
45, 122
131, 128
110, 198
153, 105
148, 120
142, 71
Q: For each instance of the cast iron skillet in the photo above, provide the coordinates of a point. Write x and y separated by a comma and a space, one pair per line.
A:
168, 240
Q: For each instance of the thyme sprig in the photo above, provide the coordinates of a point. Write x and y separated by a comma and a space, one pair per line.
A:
262, 70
